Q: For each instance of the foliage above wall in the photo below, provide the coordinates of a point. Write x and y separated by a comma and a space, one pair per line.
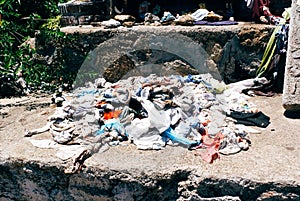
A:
19, 23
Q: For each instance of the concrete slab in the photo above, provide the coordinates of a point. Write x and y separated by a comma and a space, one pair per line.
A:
268, 170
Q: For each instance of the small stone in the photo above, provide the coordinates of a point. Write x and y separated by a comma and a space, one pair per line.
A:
44, 112
124, 18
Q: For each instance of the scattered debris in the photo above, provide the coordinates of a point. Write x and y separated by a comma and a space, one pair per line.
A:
152, 112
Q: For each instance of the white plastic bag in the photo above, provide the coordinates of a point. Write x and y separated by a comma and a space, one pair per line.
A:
158, 118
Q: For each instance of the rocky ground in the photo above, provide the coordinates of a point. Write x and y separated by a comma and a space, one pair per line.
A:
272, 160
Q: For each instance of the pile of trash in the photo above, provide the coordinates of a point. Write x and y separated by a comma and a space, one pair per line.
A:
195, 111
123, 13
199, 17
78, 12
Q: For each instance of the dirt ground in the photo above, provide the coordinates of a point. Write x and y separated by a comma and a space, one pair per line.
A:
273, 155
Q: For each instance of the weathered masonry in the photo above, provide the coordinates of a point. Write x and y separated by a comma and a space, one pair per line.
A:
291, 93
235, 51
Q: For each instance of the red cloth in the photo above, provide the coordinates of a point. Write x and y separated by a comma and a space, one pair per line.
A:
211, 152
257, 9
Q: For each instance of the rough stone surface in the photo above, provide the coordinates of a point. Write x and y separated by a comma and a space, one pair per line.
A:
269, 170
291, 97
84, 12
234, 51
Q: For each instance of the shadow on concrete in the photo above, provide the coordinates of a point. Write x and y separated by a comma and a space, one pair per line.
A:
292, 114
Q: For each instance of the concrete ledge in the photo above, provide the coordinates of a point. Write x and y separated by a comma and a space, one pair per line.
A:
269, 170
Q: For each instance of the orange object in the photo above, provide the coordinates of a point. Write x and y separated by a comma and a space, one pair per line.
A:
111, 114
99, 104
206, 122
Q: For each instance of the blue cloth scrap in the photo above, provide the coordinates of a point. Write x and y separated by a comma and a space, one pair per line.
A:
219, 23
198, 80
112, 126
83, 93
169, 133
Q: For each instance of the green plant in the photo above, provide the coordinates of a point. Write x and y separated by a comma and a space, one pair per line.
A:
16, 55
12, 36
52, 23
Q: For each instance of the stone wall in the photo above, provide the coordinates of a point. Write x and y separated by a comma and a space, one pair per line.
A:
36, 181
234, 52
291, 96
